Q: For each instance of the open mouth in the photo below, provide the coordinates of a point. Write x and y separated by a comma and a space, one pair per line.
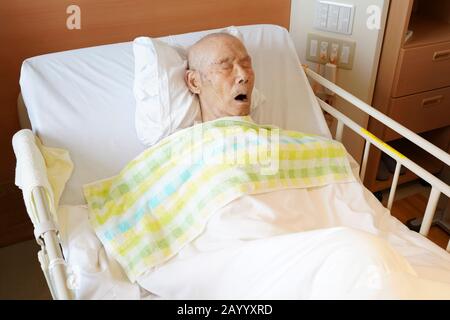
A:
241, 97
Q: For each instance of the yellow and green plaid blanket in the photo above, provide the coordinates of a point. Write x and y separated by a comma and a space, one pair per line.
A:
162, 199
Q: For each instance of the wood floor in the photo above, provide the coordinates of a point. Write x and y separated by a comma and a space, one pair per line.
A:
413, 207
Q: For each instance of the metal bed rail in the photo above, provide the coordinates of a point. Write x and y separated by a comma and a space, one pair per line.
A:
50, 256
438, 187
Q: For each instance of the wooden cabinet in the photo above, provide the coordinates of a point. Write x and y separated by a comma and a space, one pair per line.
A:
422, 68
420, 112
412, 86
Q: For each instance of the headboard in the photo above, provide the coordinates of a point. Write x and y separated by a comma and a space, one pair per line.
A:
30, 28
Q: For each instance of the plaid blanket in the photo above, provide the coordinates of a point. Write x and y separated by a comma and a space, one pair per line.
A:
162, 199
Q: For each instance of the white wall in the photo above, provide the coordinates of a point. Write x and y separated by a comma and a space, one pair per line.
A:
359, 81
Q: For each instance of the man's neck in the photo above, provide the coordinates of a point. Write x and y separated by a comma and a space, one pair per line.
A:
207, 115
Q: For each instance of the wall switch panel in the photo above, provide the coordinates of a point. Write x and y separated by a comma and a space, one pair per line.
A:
321, 49
334, 16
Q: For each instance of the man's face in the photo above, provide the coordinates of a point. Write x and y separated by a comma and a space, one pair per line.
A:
226, 78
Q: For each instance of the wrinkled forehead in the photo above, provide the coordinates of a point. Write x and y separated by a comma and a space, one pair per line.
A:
223, 48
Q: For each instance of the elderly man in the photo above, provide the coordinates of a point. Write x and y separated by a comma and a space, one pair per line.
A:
221, 74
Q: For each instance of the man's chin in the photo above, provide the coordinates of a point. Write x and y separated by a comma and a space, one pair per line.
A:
241, 109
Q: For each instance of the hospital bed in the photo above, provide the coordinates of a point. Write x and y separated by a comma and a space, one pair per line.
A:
82, 101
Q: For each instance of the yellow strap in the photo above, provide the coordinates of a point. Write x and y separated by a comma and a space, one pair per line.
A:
368, 134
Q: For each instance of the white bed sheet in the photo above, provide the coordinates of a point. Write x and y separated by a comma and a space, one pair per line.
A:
82, 100
254, 217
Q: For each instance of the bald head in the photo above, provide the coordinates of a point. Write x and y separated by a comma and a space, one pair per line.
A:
200, 51
220, 72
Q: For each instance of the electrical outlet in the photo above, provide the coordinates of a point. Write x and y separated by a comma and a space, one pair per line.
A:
313, 48
334, 53
323, 55
337, 51
345, 54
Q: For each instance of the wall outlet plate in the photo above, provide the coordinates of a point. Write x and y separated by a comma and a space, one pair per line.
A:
349, 51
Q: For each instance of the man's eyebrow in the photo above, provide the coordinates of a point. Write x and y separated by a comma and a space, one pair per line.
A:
222, 60
228, 60
246, 58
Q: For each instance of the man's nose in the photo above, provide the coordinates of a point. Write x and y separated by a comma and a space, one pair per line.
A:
242, 75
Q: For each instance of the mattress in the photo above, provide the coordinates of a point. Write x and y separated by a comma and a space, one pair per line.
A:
82, 100
245, 219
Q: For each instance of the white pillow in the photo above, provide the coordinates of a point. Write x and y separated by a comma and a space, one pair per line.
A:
164, 103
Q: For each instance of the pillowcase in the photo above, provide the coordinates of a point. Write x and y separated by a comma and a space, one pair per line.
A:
164, 103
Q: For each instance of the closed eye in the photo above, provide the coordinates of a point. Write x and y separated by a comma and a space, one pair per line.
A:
246, 62
226, 65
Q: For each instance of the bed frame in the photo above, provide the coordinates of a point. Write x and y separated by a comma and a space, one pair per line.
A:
55, 267
438, 187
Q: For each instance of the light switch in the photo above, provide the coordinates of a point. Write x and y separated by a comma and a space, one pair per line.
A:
321, 17
324, 11
344, 19
334, 16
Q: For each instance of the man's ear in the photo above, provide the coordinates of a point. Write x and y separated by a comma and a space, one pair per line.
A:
192, 81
